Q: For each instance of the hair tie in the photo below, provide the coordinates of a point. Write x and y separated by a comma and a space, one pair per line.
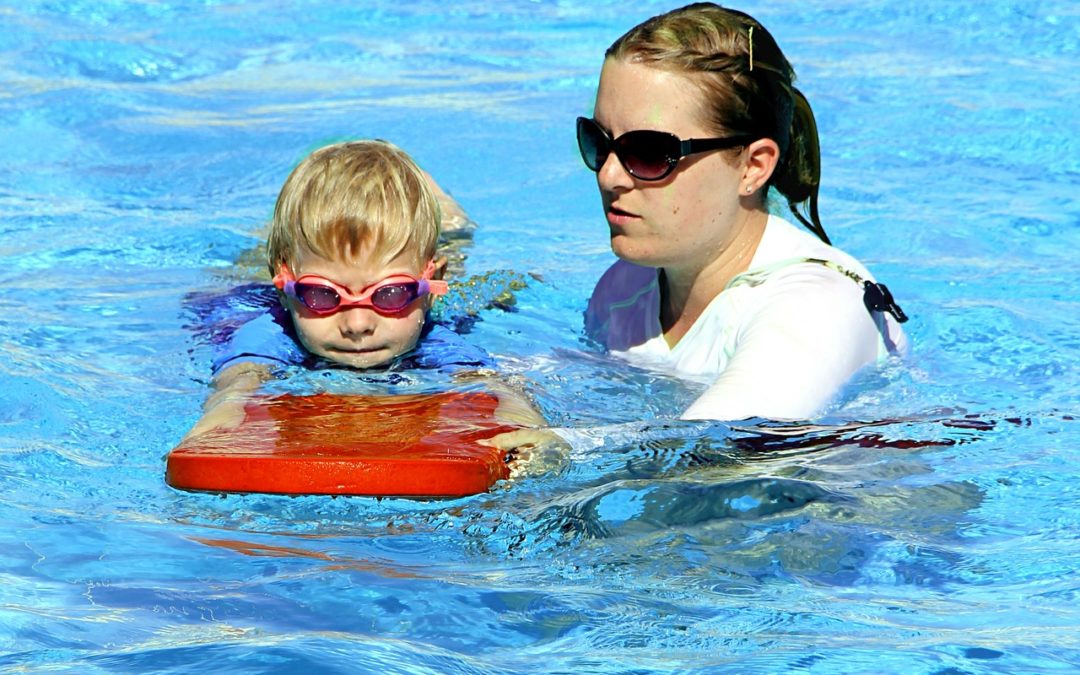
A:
750, 39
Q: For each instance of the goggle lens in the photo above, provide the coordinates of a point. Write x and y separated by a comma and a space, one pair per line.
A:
317, 297
392, 297
395, 297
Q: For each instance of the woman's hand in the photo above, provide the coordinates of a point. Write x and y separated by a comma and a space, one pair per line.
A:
531, 452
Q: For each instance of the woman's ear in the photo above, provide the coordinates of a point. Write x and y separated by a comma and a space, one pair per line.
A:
762, 157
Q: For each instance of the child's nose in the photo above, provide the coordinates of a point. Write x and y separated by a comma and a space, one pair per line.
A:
356, 322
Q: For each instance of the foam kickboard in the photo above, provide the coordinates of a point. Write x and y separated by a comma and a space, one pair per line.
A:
404, 445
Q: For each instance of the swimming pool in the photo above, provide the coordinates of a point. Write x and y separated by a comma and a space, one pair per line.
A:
144, 144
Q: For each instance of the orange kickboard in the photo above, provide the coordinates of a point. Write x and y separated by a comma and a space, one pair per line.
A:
406, 446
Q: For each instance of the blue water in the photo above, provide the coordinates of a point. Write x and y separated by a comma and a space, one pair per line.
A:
142, 147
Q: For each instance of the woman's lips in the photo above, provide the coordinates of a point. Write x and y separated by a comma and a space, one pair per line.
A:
616, 217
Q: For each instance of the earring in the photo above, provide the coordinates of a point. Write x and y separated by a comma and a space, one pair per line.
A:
749, 189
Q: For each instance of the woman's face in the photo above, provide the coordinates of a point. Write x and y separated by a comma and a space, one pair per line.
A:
688, 218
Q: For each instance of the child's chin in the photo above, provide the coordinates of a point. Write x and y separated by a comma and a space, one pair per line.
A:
362, 359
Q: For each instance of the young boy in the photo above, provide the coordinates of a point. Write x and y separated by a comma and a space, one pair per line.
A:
351, 250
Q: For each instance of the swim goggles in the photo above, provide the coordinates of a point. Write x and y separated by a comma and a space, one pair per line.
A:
389, 296
645, 154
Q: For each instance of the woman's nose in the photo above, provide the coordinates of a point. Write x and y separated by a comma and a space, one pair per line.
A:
613, 174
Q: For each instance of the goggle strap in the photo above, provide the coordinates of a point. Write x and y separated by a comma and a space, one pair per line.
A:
282, 278
437, 287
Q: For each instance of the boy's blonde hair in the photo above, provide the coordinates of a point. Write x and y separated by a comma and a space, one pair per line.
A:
351, 196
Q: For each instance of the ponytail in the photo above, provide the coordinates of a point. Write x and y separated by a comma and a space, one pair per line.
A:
798, 175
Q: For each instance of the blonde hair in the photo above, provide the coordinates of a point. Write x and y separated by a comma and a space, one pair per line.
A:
748, 85
350, 196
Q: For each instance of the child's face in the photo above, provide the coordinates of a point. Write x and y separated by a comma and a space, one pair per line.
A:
360, 337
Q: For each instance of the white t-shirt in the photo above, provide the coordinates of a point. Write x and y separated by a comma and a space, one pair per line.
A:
778, 342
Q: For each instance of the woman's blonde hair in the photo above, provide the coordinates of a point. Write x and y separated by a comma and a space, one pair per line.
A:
748, 86
350, 196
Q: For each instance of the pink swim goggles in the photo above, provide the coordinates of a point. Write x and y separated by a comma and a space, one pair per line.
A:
389, 296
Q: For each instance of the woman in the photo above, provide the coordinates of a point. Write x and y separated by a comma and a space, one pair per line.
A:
696, 121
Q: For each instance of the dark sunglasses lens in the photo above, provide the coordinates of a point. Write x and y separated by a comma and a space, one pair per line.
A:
593, 143
647, 154
318, 298
395, 297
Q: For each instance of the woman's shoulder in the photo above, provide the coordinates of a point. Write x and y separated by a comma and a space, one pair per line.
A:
811, 282
624, 306
785, 245
624, 278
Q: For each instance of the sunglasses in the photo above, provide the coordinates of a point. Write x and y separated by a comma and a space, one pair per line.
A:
645, 154
389, 296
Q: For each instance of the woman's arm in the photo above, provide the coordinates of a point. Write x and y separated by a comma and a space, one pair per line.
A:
533, 449
810, 336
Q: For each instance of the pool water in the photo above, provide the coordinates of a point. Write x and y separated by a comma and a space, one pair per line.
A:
926, 524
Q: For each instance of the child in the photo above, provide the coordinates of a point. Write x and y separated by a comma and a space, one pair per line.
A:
351, 250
